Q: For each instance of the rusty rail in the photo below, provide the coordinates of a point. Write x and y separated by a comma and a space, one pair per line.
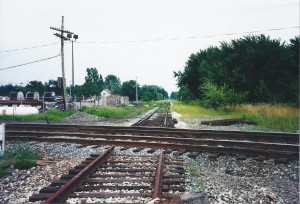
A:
62, 194
142, 120
235, 142
136, 177
158, 178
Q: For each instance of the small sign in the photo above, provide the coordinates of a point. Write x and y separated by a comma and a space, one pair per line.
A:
2, 139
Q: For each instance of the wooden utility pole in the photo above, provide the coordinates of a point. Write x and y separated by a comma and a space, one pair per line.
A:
63, 38
62, 62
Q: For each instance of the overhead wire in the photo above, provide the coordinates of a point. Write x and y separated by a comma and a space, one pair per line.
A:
145, 40
26, 48
189, 37
11, 67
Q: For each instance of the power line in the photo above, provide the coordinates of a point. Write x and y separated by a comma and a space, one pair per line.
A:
29, 62
189, 37
26, 48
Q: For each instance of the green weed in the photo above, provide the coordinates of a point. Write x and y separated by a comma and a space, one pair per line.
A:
197, 185
21, 157
193, 169
194, 172
116, 112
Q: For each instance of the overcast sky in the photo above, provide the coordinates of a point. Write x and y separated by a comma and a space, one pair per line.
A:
147, 39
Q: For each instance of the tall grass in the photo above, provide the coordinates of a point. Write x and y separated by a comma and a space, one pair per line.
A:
271, 117
267, 116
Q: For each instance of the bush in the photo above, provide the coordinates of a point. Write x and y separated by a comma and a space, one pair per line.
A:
214, 96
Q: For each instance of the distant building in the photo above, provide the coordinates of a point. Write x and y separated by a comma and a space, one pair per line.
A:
105, 93
108, 99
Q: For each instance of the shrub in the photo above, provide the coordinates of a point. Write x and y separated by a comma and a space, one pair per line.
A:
214, 96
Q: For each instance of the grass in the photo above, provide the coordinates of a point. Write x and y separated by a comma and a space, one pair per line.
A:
271, 117
193, 169
192, 110
21, 157
267, 116
118, 112
53, 114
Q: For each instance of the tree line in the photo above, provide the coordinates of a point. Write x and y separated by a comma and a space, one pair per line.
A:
93, 85
251, 69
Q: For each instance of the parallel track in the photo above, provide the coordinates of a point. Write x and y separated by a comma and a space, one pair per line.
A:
274, 145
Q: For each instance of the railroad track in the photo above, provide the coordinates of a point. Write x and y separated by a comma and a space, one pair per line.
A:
117, 178
158, 117
259, 144
146, 117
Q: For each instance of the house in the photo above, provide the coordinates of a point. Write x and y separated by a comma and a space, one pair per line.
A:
105, 93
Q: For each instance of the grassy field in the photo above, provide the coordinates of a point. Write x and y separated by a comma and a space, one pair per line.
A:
268, 117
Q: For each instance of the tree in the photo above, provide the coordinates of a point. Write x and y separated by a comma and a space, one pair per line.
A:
254, 64
113, 83
153, 93
128, 89
35, 86
52, 85
93, 83
173, 95
7, 89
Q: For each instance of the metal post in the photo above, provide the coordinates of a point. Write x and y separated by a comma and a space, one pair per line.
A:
72, 66
44, 103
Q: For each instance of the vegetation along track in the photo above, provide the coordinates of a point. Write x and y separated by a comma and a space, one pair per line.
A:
260, 144
125, 178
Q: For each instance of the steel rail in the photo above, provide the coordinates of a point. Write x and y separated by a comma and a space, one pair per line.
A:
199, 141
228, 142
158, 177
142, 120
62, 194
170, 146
237, 135
161, 178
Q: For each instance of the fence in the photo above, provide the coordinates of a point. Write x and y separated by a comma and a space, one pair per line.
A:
101, 101
49, 102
